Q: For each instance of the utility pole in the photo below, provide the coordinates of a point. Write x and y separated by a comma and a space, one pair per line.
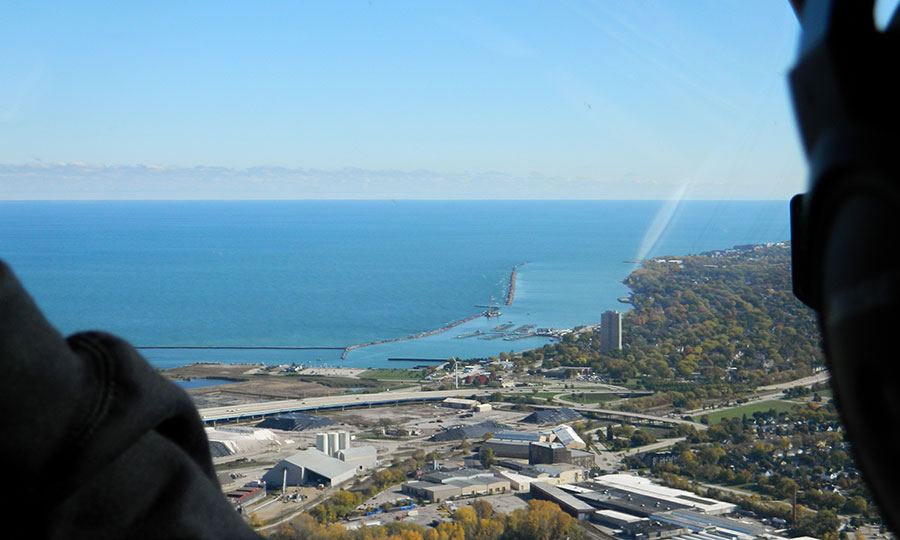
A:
456, 371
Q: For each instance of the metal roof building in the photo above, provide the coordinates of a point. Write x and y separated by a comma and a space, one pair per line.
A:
507, 448
459, 403
566, 436
635, 486
309, 467
520, 436
569, 504
362, 457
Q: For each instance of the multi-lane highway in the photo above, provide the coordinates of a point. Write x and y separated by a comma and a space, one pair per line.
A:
268, 408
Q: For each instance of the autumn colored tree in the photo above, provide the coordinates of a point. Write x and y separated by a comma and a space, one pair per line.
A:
483, 509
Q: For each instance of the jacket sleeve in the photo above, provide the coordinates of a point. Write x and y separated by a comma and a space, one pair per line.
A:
99, 442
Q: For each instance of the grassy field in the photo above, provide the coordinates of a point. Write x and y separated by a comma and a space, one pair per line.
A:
393, 374
739, 412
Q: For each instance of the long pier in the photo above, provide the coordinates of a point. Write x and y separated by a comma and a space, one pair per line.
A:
512, 284
406, 338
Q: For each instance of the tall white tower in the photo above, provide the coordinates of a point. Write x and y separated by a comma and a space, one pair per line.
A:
333, 443
322, 443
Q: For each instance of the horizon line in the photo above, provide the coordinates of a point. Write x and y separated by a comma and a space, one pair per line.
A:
385, 199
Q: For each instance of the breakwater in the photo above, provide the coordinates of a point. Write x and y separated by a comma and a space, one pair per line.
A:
512, 284
406, 338
509, 300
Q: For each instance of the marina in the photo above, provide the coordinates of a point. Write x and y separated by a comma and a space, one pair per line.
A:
515, 337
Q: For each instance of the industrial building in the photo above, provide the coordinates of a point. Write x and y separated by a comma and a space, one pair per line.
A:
458, 403
696, 522
547, 452
331, 443
442, 485
567, 503
613, 519
556, 453
567, 437
505, 448
560, 445
521, 476
247, 494
634, 507
310, 466
660, 496
520, 436
363, 457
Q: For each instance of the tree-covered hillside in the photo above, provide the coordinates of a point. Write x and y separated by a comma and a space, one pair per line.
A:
723, 318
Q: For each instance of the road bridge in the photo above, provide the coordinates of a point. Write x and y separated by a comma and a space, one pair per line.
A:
627, 417
249, 411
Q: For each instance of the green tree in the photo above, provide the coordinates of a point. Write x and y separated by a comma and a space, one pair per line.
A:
486, 457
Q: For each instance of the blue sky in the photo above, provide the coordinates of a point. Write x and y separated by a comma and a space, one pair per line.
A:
603, 100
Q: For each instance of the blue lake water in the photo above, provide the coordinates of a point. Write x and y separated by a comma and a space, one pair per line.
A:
337, 273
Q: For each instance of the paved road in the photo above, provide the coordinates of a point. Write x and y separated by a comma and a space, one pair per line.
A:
665, 443
247, 410
765, 393
629, 415
806, 381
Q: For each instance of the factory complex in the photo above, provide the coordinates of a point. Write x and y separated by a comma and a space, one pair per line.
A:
332, 462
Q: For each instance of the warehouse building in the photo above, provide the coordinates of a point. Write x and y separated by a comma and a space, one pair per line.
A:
520, 436
567, 503
547, 452
431, 491
442, 485
663, 498
248, 494
697, 522
522, 476
613, 519
362, 457
458, 403
309, 467
505, 448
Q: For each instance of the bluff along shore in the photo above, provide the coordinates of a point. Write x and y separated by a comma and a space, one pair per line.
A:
509, 300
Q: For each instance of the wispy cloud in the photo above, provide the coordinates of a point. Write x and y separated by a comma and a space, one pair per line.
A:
41, 180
